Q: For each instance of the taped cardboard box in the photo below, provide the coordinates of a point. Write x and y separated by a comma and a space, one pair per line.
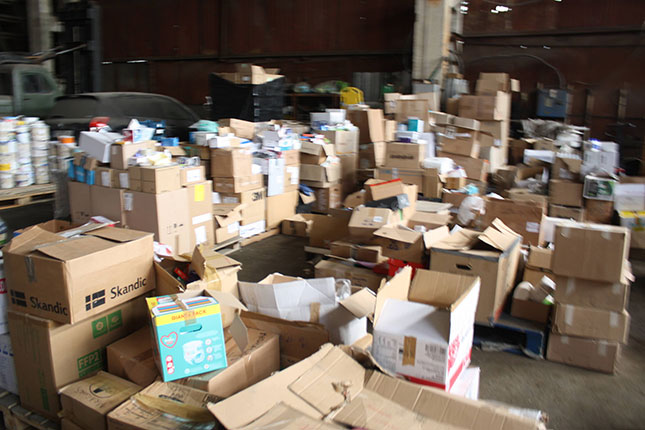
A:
359, 276
371, 155
403, 243
426, 221
523, 218
426, 320
365, 221
190, 175
407, 176
540, 258
493, 255
565, 193
238, 184
465, 147
49, 355
80, 202
308, 387
155, 179
69, 280
132, 358
280, 207
106, 177
359, 252
218, 271
164, 405
87, 402
231, 162
297, 225
591, 322
594, 354
500, 131
256, 359
108, 202
345, 141
240, 128
315, 153
369, 123
328, 228
404, 155
599, 211
495, 107
327, 198
245, 197
475, 168
590, 251
200, 211
328, 173
120, 154
611, 296
558, 211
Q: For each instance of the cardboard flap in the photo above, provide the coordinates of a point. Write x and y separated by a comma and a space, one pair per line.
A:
458, 240
116, 234
69, 249
30, 239
499, 236
284, 417
396, 288
331, 382
239, 332
435, 236
398, 233
360, 304
443, 290
227, 300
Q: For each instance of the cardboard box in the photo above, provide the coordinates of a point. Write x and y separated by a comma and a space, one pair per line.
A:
558, 211
407, 176
369, 123
565, 193
326, 229
349, 250
596, 188
590, 251
499, 130
489, 107
365, 221
475, 169
246, 197
320, 174
499, 81
108, 202
155, 180
591, 322
371, 155
359, 276
313, 152
163, 405
432, 185
540, 258
69, 280
455, 183
426, 334
522, 218
297, 225
231, 162
599, 211
345, 141
192, 175
530, 310
611, 296
280, 207
120, 154
188, 333
80, 203
228, 215
425, 221
132, 358
348, 168
88, 401
200, 210
97, 145
257, 361
492, 255
106, 177
122, 179
594, 354
465, 147
218, 271
240, 128
566, 168
377, 190
534, 276
404, 155
327, 198
165, 214
49, 355
406, 244
253, 212
8, 379
237, 184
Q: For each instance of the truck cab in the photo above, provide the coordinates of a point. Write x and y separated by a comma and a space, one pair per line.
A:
26, 89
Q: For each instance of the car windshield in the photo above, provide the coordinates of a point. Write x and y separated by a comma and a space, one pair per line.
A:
76, 107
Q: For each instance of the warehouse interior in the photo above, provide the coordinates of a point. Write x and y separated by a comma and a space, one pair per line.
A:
240, 214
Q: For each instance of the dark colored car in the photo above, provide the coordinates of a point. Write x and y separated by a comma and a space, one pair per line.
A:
74, 112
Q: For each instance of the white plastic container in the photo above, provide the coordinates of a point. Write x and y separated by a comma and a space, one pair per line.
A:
6, 180
40, 131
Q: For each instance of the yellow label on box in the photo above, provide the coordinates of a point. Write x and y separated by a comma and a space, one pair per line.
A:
199, 193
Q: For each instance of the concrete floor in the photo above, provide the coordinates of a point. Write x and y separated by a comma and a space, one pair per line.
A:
573, 398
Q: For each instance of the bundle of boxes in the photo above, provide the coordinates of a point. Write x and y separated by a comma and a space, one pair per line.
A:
321, 170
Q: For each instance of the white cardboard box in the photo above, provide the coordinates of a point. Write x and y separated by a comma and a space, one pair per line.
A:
426, 335
467, 385
97, 144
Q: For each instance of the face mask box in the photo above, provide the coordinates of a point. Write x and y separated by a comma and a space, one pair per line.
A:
188, 335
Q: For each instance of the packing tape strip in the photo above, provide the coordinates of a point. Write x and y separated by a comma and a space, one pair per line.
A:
564, 340
568, 315
571, 286
189, 316
314, 312
613, 319
615, 289
602, 348
409, 350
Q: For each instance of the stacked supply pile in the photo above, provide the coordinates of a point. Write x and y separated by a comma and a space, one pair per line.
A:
566, 185
591, 321
40, 151
63, 152
371, 138
24, 152
321, 171
533, 297
599, 166
8, 156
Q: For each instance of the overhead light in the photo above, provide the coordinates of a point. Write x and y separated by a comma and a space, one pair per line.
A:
523, 47
106, 62
464, 8
494, 11
502, 8
546, 47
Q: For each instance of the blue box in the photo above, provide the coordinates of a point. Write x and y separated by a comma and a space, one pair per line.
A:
80, 173
89, 176
188, 334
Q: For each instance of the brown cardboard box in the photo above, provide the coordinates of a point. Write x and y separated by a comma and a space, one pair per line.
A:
492, 255
107, 202
193, 150
291, 157
359, 276
328, 228
315, 153
122, 179
499, 130
345, 141
348, 168
229, 232
106, 177
365, 221
432, 185
590, 322
465, 147
371, 155
611, 296
525, 195
475, 169
428, 220
455, 183
281, 207
523, 218
260, 358
359, 252
567, 168
594, 354
565, 193
162, 214
80, 203
377, 189
403, 243
490, 107
69, 280
599, 211
231, 162
200, 211
529, 310
131, 358
590, 251
534, 276
245, 197
412, 108
218, 271
162, 399
321, 174
49, 355
558, 211
254, 212
540, 258
390, 129
407, 176
499, 81
155, 179
192, 175
87, 402
238, 184
454, 198
297, 225
327, 198
119, 154
404, 155
240, 128
369, 123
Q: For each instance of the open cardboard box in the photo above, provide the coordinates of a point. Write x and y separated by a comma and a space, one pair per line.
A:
406, 244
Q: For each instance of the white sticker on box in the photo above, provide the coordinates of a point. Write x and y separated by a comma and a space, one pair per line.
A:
232, 228
615, 289
128, 199
229, 200
378, 219
602, 349
105, 179
200, 219
200, 234
124, 180
613, 319
395, 173
564, 340
568, 315
571, 286
193, 175
533, 227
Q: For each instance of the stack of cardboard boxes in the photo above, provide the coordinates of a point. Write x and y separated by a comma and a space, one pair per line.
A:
591, 321
321, 170
282, 181
371, 138
346, 147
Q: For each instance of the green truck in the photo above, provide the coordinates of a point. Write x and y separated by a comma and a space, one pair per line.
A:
26, 89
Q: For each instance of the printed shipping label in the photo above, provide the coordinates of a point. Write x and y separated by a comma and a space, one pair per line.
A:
193, 175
